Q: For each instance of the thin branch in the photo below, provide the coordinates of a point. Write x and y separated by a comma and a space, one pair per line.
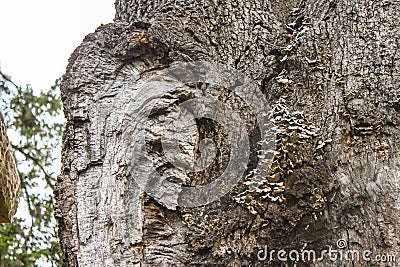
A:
47, 176
7, 78
30, 213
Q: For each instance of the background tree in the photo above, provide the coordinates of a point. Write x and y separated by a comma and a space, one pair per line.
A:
34, 126
328, 69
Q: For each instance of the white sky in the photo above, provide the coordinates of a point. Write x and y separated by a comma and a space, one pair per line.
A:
38, 36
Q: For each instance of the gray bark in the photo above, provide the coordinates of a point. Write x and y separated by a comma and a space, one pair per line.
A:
329, 70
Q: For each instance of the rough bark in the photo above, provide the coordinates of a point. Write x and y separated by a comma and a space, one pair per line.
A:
329, 70
9, 178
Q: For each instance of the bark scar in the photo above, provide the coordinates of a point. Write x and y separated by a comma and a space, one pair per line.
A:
139, 36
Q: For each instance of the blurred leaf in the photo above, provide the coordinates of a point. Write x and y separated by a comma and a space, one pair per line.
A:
34, 118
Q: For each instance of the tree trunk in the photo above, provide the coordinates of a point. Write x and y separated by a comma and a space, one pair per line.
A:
328, 71
10, 184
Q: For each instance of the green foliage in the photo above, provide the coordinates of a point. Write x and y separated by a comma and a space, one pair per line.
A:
35, 126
